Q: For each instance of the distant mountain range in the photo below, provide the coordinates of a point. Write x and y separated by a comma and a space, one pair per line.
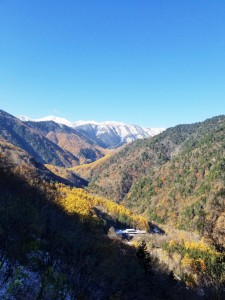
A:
107, 134
32, 141
176, 177
174, 180
70, 140
58, 142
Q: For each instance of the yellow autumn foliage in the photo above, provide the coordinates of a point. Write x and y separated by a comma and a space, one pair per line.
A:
201, 246
75, 200
194, 265
85, 170
134, 244
172, 243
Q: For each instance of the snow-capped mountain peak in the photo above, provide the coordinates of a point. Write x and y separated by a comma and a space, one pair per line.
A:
154, 131
48, 118
81, 123
110, 123
108, 134
113, 123
111, 134
56, 120
24, 118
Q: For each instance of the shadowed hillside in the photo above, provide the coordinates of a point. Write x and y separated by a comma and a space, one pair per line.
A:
22, 161
48, 253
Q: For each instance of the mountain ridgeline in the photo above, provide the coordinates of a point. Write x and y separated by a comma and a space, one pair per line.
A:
176, 177
69, 140
49, 142
58, 241
42, 149
114, 134
22, 161
135, 160
54, 245
107, 134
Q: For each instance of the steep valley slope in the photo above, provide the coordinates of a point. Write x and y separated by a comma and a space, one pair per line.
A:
55, 239
69, 140
177, 177
23, 162
54, 244
37, 145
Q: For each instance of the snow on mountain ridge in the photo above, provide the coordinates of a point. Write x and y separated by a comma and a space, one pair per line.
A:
110, 123
114, 123
80, 123
110, 133
154, 131
58, 120
24, 118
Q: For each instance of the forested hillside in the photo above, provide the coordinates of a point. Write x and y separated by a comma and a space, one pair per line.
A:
58, 242
115, 176
37, 145
177, 177
54, 246
99, 209
189, 190
23, 161
87, 171
69, 140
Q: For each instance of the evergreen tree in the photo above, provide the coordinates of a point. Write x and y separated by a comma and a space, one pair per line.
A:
144, 256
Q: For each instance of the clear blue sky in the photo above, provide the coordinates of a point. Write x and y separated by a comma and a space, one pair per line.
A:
155, 63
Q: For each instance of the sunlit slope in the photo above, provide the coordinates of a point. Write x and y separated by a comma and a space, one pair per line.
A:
91, 207
189, 190
87, 171
177, 177
116, 175
70, 176
69, 140
37, 145
23, 162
